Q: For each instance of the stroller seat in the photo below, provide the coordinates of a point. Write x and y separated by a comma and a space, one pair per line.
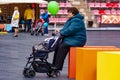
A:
45, 47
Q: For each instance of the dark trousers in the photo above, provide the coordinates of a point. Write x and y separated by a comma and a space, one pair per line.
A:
46, 30
28, 22
60, 55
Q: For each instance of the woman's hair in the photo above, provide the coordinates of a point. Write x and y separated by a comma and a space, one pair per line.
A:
15, 8
73, 10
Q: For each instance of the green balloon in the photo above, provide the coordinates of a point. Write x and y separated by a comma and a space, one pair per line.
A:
53, 7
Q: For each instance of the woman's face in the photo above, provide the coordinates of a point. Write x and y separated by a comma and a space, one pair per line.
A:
70, 15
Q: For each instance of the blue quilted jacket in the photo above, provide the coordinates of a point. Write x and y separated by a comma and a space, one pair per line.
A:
74, 31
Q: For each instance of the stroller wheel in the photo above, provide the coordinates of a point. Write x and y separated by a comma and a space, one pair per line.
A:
37, 34
32, 33
54, 74
25, 72
30, 73
42, 34
49, 74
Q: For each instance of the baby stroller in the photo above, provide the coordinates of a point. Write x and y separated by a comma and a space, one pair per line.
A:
37, 27
37, 62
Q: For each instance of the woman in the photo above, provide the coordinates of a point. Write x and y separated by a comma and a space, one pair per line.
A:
15, 21
74, 33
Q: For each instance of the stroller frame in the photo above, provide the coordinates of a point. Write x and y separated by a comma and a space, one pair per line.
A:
37, 62
37, 27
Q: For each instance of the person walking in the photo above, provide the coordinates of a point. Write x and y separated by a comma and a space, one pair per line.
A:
28, 16
74, 35
15, 21
44, 15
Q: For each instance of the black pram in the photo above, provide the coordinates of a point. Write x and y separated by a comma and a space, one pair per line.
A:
37, 62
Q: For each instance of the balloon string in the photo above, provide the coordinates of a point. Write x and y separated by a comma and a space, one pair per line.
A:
55, 25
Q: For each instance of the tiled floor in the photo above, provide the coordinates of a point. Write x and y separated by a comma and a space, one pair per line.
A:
14, 50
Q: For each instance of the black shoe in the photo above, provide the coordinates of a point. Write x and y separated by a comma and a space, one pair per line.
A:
15, 35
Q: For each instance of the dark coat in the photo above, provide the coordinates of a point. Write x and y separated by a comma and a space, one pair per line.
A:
74, 31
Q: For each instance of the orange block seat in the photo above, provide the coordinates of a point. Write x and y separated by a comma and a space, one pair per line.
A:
86, 61
72, 59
